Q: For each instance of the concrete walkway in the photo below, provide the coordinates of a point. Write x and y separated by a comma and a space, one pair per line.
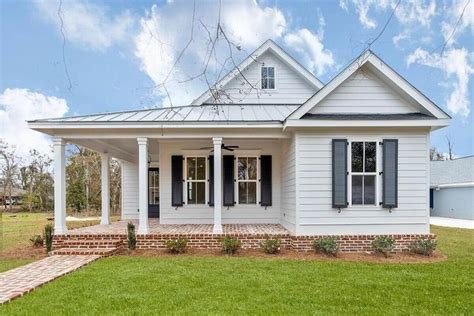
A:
452, 222
16, 282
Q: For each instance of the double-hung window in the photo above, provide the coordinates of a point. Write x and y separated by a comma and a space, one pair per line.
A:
363, 172
196, 180
247, 179
268, 77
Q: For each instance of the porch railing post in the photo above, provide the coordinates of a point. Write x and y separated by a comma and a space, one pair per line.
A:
217, 229
105, 162
143, 185
59, 186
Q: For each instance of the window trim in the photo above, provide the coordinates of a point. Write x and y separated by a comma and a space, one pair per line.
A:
378, 168
237, 181
274, 78
186, 181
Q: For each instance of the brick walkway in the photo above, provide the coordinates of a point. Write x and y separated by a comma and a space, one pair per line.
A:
14, 283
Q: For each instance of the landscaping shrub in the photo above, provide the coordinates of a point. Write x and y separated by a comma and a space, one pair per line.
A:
131, 236
48, 237
177, 245
383, 245
37, 241
271, 246
231, 245
328, 245
423, 246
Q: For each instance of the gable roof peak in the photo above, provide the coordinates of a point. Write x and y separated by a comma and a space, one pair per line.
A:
268, 45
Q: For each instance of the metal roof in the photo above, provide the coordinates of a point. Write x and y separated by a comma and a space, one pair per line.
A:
192, 113
375, 116
460, 170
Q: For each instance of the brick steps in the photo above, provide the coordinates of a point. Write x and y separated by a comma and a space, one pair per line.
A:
83, 251
92, 244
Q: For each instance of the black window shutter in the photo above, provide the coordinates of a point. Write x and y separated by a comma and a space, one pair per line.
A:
228, 172
177, 180
339, 173
390, 173
211, 180
266, 180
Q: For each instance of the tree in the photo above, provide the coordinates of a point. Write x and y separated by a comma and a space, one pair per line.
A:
450, 143
435, 154
9, 171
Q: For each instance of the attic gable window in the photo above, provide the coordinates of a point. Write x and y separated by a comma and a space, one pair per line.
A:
268, 77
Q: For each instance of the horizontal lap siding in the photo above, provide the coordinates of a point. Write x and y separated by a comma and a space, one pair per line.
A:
204, 214
363, 93
129, 190
288, 185
316, 215
290, 88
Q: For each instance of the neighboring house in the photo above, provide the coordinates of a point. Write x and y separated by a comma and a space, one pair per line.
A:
348, 157
14, 197
452, 188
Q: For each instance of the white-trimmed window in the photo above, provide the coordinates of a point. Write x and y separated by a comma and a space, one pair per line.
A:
196, 180
247, 182
363, 172
268, 77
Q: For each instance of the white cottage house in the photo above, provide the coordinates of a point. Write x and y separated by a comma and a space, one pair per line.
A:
350, 157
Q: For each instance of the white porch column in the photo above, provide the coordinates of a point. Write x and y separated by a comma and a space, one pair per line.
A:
143, 185
105, 163
217, 229
59, 186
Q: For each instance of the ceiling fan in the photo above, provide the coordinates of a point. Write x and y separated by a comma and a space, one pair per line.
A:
229, 148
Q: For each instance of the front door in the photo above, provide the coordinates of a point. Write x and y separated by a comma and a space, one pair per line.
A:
153, 193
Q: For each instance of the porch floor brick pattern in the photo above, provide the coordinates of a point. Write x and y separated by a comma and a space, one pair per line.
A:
19, 281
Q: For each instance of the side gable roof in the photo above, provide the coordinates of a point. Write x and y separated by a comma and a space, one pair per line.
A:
271, 46
386, 73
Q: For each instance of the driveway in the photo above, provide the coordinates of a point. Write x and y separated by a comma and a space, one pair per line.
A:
452, 222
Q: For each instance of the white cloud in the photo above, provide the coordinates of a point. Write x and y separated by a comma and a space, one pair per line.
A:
453, 12
19, 105
454, 63
318, 58
89, 25
165, 31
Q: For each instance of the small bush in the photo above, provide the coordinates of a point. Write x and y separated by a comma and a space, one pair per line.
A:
383, 245
131, 236
231, 245
328, 245
423, 246
271, 246
37, 241
48, 237
177, 245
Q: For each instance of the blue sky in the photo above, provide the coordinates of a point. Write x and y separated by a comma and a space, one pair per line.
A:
118, 53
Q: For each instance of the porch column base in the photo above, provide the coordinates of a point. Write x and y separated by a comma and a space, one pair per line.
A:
217, 229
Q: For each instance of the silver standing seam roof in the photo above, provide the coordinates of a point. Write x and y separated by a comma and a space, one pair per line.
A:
459, 170
191, 113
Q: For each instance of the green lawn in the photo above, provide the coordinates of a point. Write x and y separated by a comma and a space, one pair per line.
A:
16, 229
226, 285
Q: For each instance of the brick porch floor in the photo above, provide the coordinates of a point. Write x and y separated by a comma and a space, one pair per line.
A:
120, 227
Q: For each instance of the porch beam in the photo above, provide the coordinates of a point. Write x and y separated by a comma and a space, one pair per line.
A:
59, 186
105, 180
143, 227
217, 141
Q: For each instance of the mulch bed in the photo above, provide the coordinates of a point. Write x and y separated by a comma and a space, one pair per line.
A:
293, 255
24, 253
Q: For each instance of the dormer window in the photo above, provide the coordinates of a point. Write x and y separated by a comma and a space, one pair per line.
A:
268, 77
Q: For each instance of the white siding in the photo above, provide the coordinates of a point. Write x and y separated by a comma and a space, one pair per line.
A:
363, 93
290, 87
129, 190
199, 214
316, 215
288, 185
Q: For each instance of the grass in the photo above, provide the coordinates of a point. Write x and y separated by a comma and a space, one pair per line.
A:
229, 285
16, 229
